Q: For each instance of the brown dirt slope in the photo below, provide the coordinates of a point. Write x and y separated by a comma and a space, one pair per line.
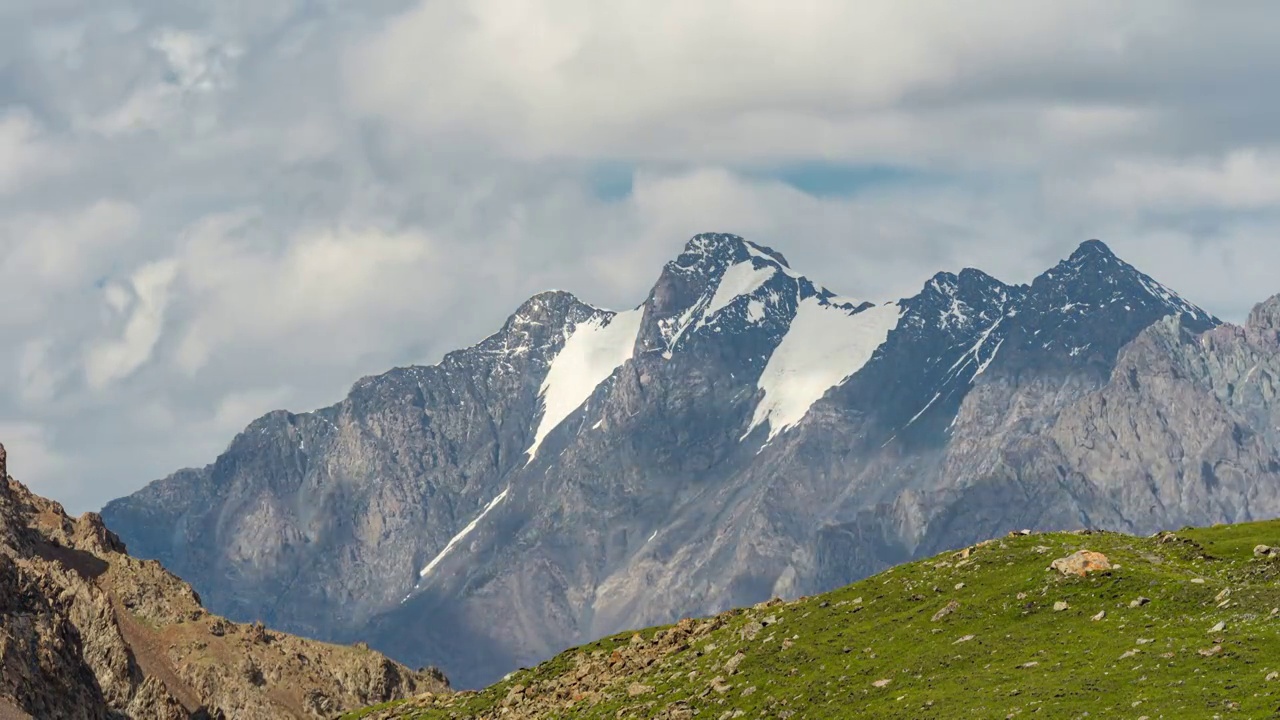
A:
86, 631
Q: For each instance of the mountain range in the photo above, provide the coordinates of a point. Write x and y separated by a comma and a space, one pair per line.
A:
743, 433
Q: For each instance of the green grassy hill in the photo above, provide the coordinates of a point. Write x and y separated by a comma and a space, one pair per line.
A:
1184, 625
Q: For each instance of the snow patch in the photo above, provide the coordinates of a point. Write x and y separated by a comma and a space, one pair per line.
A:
954, 316
592, 352
823, 347
924, 409
1172, 299
757, 252
460, 536
738, 280
987, 363
741, 279
674, 328
973, 352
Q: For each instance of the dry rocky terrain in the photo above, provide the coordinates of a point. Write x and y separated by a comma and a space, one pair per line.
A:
88, 632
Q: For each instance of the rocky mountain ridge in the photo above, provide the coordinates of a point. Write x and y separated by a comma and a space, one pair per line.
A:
86, 631
741, 434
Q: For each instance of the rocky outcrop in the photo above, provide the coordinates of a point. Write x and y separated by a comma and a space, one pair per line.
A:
86, 631
1187, 430
588, 679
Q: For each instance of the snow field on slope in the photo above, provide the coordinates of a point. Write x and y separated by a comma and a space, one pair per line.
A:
741, 279
592, 352
461, 535
824, 346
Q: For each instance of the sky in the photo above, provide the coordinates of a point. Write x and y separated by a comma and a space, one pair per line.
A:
212, 209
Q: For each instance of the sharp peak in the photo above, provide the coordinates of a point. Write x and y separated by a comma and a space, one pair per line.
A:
729, 244
1093, 257
1265, 317
1093, 246
1093, 251
552, 306
945, 281
549, 299
551, 293
968, 273
548, 306
972, 273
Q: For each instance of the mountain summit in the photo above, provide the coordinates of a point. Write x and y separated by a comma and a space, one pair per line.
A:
742, 433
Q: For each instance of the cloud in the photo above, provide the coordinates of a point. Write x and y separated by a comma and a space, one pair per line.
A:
118, 358
208, 210
37, 375
47, 253
27, 155
30, 455
1242, 179
242, 289
728, 81
189, 67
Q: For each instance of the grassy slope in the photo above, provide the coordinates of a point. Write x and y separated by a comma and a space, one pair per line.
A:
843, 642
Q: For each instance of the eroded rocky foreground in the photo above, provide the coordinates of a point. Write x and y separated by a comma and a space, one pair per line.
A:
87, 632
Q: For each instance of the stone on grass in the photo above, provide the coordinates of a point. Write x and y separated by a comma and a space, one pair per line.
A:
946, 610
1081, 563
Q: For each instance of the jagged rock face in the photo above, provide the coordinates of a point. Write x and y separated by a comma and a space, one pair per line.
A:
313, 510
88, 632
743, 433
1187, 429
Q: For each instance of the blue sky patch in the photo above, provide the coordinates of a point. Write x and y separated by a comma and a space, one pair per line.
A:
835, 179
612, 181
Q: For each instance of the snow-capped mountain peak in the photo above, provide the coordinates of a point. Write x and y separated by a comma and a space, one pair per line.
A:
722, 248
723, 283
1093, 276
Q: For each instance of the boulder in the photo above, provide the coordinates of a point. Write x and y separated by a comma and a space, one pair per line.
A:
1081, 563
946, 610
